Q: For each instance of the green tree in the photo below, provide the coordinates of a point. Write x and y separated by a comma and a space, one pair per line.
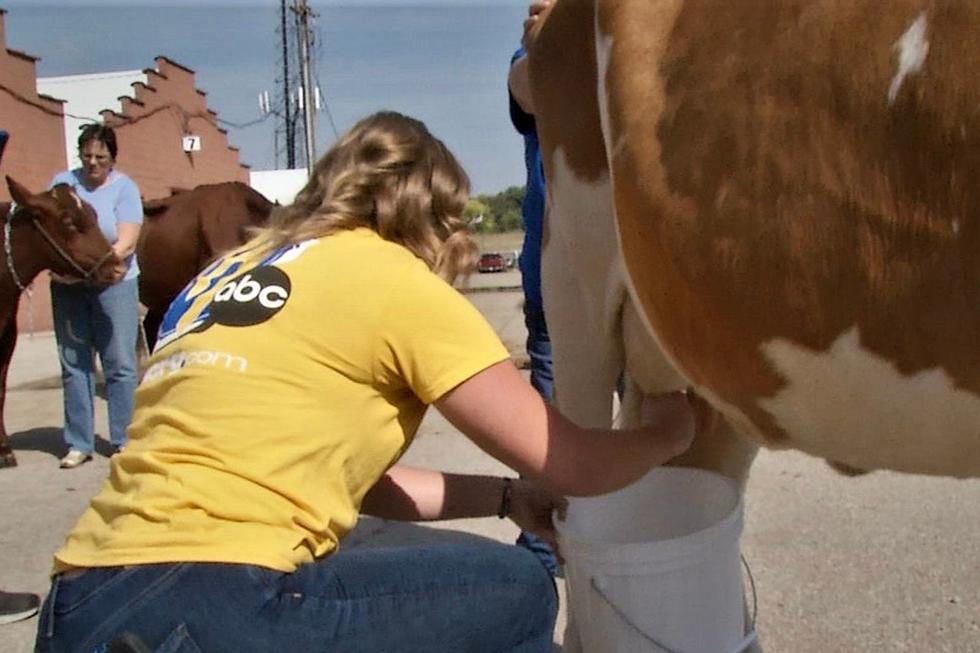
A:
501, 212
478, 214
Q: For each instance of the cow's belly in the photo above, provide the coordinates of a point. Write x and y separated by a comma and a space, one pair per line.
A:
850, 405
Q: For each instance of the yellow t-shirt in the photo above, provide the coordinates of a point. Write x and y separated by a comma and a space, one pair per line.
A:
280, 392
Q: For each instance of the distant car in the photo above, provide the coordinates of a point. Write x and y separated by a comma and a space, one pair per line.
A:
492, 262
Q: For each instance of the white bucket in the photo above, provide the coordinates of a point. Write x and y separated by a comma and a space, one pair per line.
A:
655, 567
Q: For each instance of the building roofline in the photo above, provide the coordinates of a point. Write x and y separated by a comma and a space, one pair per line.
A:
86, 77
174, 63
51, 98
23, 55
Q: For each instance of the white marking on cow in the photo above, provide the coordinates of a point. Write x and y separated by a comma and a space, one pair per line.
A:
586, 231
851, 405
956, 226
912, 50
603, 55
582, 282
78, 200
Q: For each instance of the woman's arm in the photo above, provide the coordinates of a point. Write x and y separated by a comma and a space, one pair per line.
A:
129, 219
519, 83
407, 493
411, 494
505, 417
518, 80
127, 234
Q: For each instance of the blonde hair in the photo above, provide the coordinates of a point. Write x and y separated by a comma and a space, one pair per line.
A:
389, 174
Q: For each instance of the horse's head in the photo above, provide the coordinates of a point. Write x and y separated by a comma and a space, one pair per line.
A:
71, 229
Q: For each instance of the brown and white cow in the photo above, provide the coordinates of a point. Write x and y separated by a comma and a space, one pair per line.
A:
777, 203
183, 233
54, 230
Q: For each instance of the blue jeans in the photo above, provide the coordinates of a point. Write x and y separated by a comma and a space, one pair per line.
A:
542, 379
91, 319
539, 350
485, 597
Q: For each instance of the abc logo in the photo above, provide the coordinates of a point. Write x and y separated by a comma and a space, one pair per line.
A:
251, 298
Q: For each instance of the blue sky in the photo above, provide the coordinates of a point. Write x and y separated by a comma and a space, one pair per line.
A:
445, 64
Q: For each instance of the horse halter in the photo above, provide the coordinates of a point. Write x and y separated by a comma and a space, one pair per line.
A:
8, 250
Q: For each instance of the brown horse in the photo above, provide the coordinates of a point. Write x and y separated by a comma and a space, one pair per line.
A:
183, 233
54, 230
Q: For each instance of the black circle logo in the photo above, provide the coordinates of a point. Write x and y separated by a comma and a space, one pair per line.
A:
252, 298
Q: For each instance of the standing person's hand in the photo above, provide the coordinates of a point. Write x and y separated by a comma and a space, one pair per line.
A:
531, 508
118, 272
534, 14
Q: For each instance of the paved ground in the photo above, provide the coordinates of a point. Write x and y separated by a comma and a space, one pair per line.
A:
880, 563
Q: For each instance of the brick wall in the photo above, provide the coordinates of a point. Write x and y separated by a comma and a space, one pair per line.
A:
35, 153
150, 127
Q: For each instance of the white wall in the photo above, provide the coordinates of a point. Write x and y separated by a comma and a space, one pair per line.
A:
85, 97
278, 185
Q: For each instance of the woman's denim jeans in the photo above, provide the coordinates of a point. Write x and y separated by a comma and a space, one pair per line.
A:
481, 598
105, 320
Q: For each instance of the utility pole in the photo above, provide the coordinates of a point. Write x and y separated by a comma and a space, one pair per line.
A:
288, 118
303, 15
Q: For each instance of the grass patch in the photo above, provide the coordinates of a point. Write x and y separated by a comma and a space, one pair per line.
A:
507, 241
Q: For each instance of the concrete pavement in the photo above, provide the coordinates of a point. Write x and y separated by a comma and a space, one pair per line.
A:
880, 563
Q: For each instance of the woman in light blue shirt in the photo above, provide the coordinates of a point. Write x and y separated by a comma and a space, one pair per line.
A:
103, 319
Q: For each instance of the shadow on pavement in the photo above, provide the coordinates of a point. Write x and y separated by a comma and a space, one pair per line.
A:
54, 383
50, 440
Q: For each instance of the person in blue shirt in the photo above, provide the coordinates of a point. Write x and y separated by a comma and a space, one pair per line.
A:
103, 319
532, 211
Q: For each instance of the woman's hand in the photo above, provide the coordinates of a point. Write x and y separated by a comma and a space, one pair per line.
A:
119, 269
531, 508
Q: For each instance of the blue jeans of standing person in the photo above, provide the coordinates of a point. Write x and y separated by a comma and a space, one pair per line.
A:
539, 350
477, 598
91, 319
542, 379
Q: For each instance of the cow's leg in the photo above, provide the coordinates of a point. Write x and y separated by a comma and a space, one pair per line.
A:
582, 287
7, 341
582, 300
586, 361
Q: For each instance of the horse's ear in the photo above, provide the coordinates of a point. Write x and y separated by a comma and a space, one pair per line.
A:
72, 219
18, 192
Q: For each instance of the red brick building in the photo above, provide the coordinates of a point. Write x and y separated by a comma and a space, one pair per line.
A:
168, 139
36, 150
34, 154
158, 126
